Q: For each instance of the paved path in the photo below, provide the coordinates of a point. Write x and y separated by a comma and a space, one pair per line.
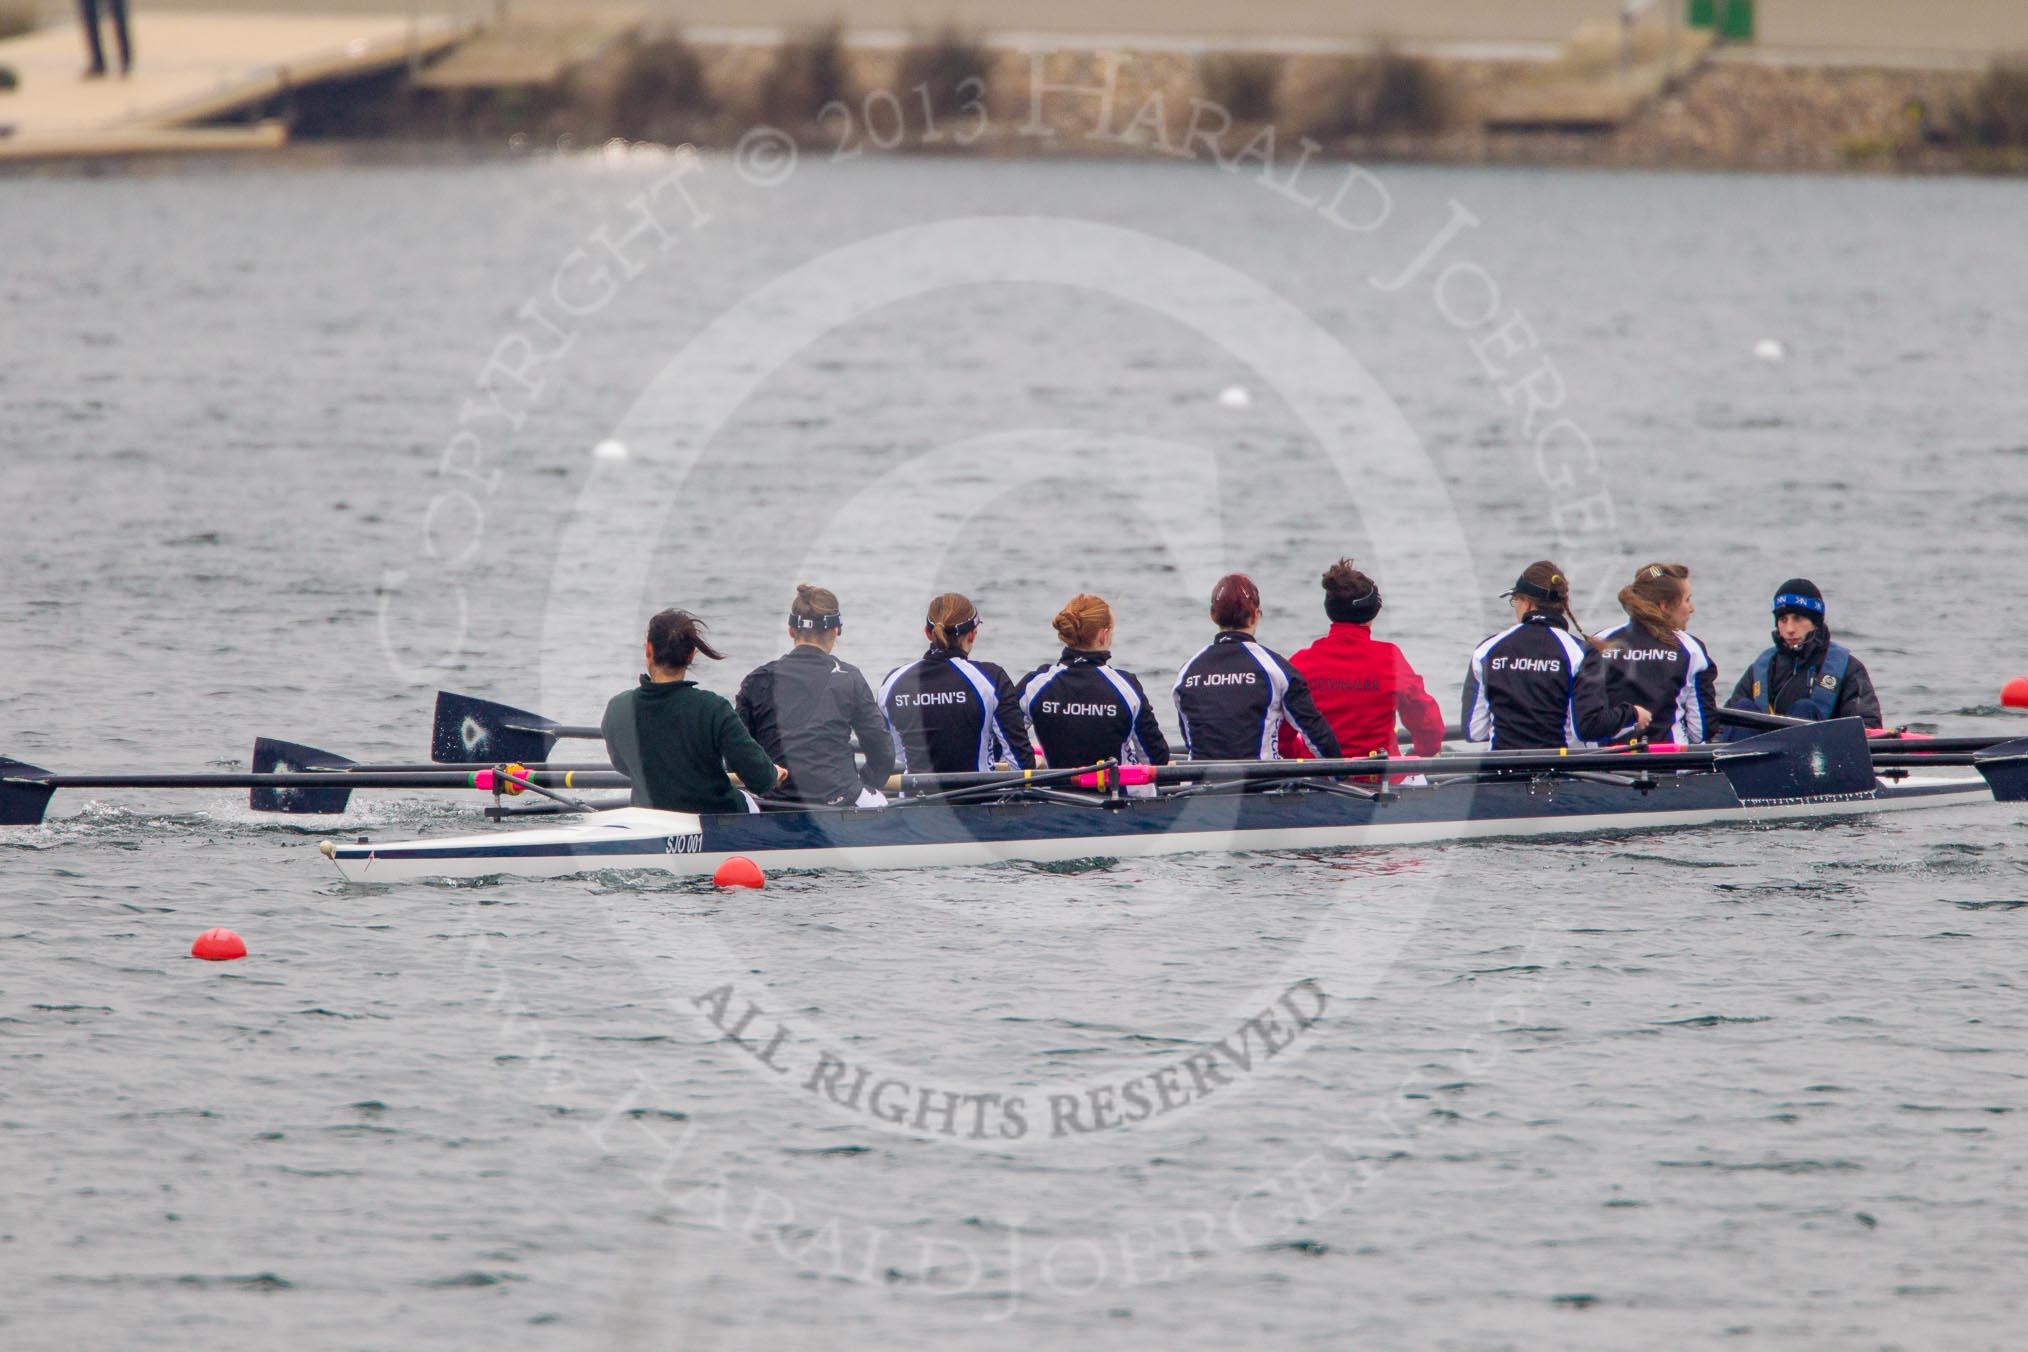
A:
189, 66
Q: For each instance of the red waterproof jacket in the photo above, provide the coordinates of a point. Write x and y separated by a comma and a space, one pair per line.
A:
1362, 685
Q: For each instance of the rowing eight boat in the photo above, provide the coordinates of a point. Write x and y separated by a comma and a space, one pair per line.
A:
1822, 770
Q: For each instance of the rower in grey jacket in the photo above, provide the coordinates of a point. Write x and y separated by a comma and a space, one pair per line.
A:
806, 707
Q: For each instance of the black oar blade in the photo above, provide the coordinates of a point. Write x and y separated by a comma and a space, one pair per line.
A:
468, 729
22, 804
274, 757
1816, 760
2006, 768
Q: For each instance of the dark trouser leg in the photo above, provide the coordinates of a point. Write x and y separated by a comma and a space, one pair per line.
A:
89, 9
119, 9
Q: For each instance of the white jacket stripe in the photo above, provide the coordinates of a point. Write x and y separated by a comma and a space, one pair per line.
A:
1131, 750
1278, 686
886, 716
989, 719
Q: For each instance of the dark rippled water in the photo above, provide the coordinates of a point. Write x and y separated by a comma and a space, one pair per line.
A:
1702, 1087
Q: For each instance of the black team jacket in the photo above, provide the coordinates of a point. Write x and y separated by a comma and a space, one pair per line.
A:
949, 713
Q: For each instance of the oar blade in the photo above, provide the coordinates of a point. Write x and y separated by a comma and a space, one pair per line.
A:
271, 756
22, 804
1817, 760
468, 729
2005, 767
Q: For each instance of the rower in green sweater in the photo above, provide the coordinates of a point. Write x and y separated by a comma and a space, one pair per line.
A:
675, 740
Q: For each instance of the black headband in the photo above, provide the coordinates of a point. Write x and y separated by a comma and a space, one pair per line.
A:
818, 622
1534, 591
962, 627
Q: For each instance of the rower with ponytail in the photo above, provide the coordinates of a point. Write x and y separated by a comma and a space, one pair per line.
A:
1650, 675
949, 712
1519, 682
673, 739
1082, 709
807, 706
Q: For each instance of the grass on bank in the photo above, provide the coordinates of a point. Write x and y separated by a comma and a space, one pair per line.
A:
954, 67
1384, 91
1995, 113
1245, 84
660, 82
808, 72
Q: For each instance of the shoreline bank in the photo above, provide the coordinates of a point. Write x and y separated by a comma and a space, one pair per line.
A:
955, 95
1605, 98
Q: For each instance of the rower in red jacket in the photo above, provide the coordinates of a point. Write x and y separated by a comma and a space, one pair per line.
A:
1361, 683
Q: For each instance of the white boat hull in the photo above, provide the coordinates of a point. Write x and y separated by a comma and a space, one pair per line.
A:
684, 844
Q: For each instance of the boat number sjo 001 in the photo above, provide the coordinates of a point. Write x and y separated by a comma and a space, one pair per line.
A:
689, 843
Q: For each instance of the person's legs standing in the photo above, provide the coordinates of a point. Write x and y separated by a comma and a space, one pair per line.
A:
89, 10
119, 10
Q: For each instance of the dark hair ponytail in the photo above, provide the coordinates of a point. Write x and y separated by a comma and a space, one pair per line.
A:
676, 637
1350, 597
1544, 587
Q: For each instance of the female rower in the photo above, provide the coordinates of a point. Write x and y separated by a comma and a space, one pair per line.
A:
1082, 709
1805, 674
1235, 698
1651, 674
674, 740
806, 706
1518, 683
947, 712
1362, 684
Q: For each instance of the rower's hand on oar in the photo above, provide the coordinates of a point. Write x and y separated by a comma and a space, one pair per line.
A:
781, 775
1642, 718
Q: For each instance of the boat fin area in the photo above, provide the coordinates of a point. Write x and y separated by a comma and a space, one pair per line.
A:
2005, 767
1818, 760
22, 799
467, 729
276, 757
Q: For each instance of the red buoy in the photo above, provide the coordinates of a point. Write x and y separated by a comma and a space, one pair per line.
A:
218, 945
2015, 693
739, 871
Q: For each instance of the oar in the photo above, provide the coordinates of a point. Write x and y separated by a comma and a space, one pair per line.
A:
468, 729
2005, 768
988, 781
1892, 742
270, 754
25, 789
1266, 772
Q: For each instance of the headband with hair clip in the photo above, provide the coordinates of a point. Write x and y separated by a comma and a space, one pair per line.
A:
816, 622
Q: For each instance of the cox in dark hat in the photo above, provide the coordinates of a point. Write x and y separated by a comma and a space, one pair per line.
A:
1799, 596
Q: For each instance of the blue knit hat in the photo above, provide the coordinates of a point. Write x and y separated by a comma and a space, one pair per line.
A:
1799, 596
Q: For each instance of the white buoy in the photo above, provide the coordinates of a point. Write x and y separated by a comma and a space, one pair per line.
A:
610, 450
1770, 349
1235, 396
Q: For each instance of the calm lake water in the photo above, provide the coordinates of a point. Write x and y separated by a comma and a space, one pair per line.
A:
1703, 1087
